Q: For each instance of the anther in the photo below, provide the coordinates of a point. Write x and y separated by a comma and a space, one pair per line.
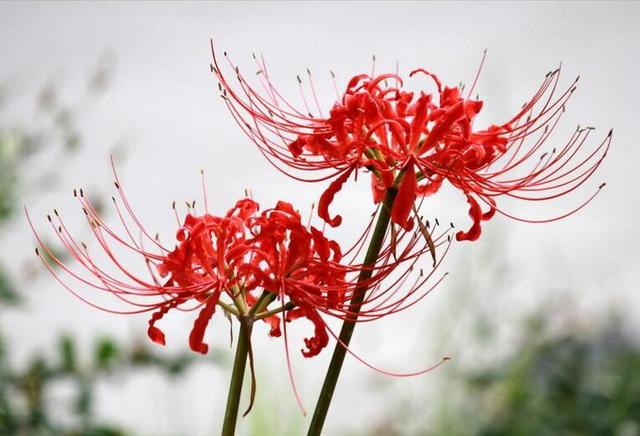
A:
55, 211
49, 218
437, 222
37, 252
75, 193
173, 205
81, 193
602, 185
299, 79
117, 185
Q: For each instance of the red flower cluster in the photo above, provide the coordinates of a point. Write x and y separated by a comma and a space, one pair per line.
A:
413, 142
242, 261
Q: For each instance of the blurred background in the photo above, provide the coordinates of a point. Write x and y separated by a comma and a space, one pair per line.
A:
541, 321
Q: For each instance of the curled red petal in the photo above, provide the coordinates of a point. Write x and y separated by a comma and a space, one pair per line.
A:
405, 198
453, 114
200, 325
491, 212
475, 212
320, 339
274, 322
419, 120
154, 333
321, 244
327, 198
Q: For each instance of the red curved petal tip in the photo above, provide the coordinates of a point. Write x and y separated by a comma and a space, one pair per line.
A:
156, 335
327, 198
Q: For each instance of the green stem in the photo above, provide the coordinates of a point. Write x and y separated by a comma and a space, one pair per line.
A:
290, 305
237, 377
240, 363
324, 400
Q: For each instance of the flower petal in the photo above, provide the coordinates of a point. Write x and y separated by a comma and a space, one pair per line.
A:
327, 198
475, 212
320, 339
405, 198
154, 333
201, 323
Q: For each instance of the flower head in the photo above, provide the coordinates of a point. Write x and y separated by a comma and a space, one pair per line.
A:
413, 142
243, 262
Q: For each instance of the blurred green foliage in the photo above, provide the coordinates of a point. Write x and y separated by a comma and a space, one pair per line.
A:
27, 394
554, 383
569, 383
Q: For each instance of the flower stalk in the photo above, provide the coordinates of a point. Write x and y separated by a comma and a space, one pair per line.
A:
237, 377
346, 332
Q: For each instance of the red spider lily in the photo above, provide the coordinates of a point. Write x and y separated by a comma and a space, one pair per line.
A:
413, 142
227, 260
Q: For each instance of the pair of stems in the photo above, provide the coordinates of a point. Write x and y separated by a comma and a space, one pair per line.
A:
340, 350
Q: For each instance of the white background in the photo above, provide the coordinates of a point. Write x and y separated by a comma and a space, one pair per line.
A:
164, 103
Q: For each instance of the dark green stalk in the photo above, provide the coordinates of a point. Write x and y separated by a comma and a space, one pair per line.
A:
324, 400
243, 349
237, 377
